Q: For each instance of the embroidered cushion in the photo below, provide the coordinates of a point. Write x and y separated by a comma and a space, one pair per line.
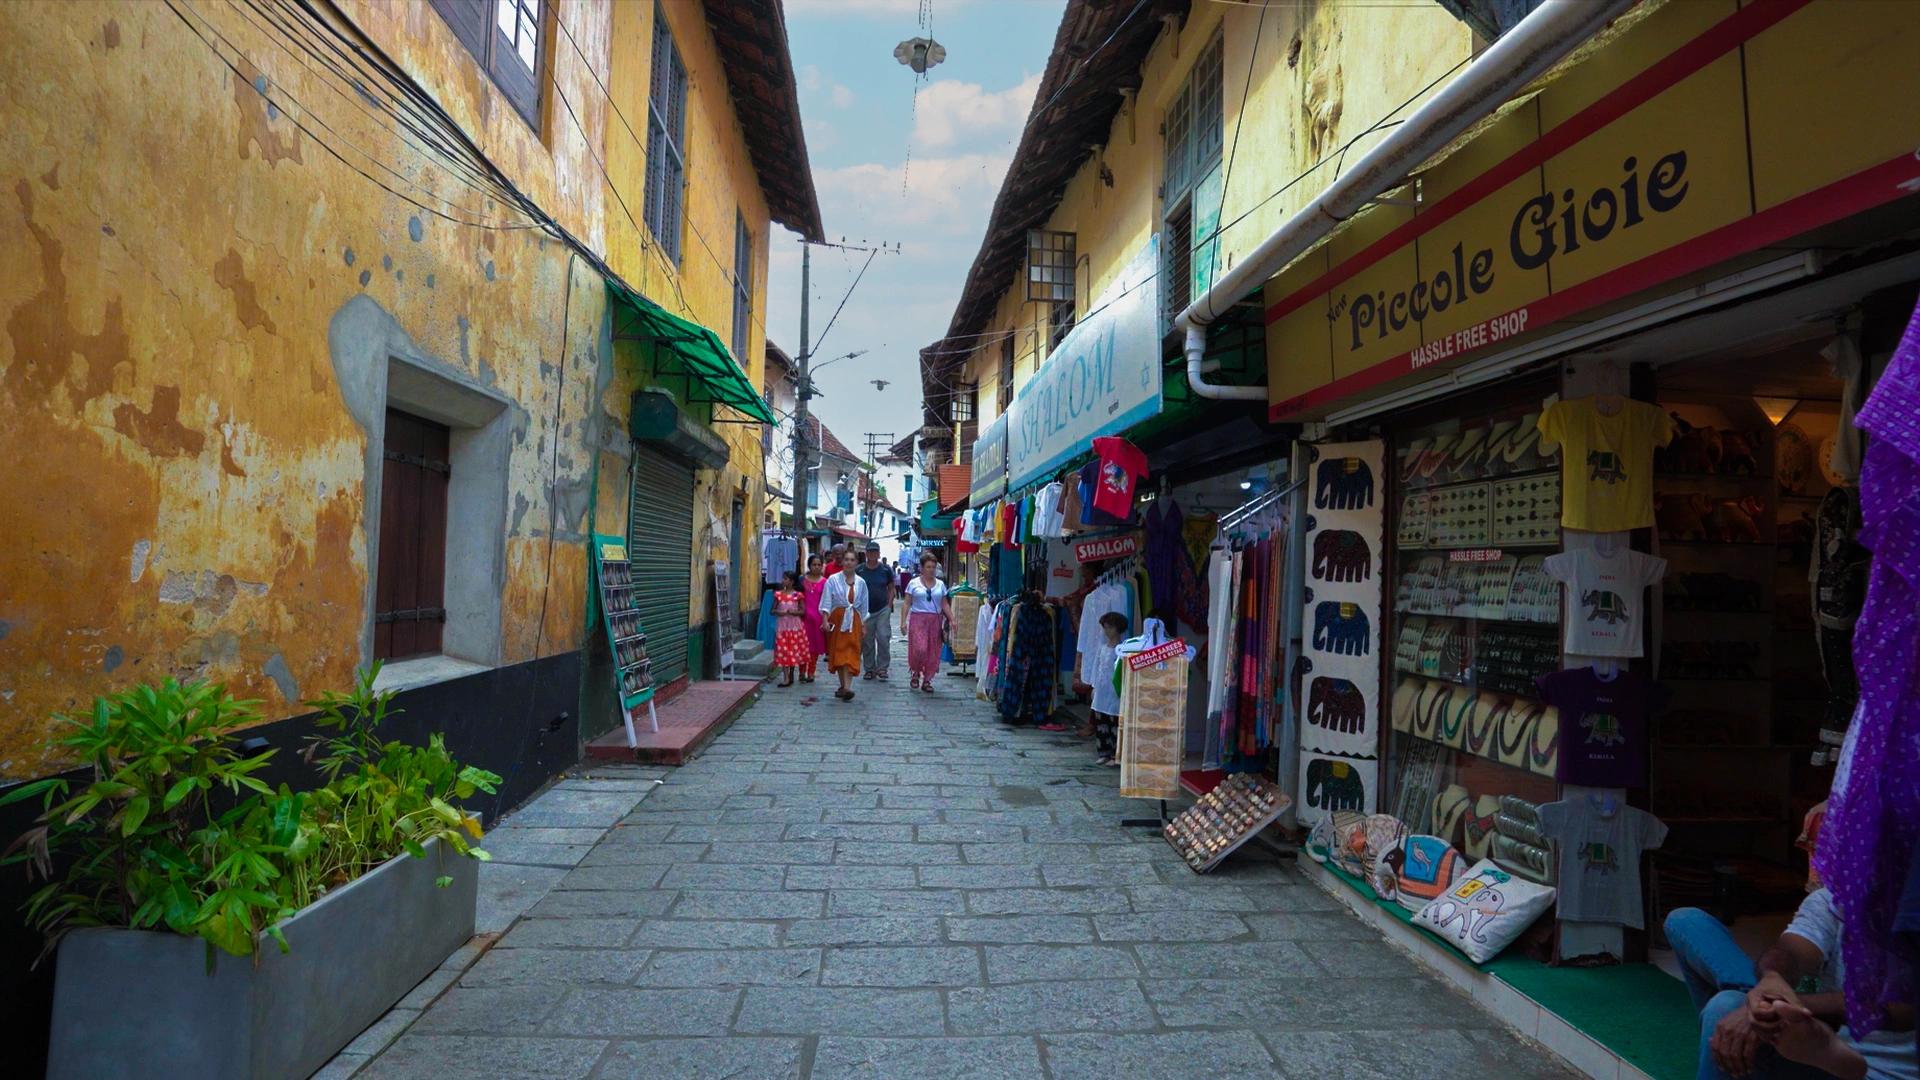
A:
1423, 868
1484, 911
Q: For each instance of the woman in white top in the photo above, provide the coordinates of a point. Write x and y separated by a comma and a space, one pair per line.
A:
924, 618
842, 603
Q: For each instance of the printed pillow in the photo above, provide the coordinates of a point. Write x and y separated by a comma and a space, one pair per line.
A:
1423, 868
1484, 911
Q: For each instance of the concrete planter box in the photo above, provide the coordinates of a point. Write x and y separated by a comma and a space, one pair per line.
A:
135, 1003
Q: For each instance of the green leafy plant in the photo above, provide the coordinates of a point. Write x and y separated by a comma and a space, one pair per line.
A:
174, 832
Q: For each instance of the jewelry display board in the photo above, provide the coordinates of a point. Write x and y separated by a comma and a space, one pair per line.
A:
617, 592
1223, 819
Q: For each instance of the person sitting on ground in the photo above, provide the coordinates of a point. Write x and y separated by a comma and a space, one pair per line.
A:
1752, 1018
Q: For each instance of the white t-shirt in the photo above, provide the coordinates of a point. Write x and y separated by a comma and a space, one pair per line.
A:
1606, 593
1889, 1054
924, 597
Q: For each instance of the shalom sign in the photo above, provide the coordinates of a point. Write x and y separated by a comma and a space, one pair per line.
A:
1106, 547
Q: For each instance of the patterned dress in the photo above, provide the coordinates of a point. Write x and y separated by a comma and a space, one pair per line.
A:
1026, 691
790, 633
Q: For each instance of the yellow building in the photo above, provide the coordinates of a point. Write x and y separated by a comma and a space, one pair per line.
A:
1152, 132
324, 326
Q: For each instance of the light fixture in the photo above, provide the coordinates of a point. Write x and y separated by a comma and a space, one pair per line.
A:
920, 53
1776, 408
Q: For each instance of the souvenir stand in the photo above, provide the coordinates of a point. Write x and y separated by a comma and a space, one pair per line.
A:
616, 591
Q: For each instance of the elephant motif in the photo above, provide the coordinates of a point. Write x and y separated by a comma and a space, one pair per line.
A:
1343, 484
1602, 728
1342, 555
1336, 704
1604, 606
1605, 465
1334, 785
1340, 628
1480, 905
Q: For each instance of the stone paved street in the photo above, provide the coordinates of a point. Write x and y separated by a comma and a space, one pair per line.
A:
900, 887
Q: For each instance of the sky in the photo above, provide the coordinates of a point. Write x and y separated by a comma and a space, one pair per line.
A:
893, 167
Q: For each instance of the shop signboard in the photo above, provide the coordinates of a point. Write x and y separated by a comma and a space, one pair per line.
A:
989, 463
1159, 654
1099, 548
1701, 134
1102, 379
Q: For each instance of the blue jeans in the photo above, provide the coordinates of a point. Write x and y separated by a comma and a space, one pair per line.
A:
1718, 975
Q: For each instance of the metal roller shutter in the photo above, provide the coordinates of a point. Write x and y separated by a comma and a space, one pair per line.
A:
660, 545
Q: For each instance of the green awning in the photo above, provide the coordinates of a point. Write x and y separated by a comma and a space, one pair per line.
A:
687, 349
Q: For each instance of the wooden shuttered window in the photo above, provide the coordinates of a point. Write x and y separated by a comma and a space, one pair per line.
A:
505, 37
666, 134
410, 589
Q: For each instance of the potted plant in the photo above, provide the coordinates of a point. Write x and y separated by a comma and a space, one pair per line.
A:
207, 924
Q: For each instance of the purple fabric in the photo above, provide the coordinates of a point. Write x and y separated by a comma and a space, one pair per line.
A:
1873, 813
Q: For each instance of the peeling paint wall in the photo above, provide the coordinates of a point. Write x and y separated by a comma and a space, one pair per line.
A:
190, 491
1323, 74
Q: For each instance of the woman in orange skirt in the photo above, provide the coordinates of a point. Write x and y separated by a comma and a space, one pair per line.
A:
842, 602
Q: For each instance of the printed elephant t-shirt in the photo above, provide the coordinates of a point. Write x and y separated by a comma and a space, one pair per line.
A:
1603, 725
1606, 460
1600, 840
1606, 589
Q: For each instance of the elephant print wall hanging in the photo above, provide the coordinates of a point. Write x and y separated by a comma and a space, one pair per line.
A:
1341, 620
1334, 783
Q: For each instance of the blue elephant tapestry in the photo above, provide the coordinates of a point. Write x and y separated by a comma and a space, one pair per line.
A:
1340, 628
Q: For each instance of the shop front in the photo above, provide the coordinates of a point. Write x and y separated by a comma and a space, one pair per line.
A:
1579, 572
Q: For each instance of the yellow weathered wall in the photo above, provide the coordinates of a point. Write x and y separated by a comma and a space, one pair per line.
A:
720, 181
1354, 67
187, 486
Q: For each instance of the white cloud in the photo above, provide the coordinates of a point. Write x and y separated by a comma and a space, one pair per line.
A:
949, 111
812, 82
910, 8
841, 96
948, 196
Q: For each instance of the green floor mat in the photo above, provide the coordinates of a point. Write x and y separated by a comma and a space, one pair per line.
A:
1635, 1010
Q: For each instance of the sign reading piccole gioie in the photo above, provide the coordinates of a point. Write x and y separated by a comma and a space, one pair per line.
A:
1694, 137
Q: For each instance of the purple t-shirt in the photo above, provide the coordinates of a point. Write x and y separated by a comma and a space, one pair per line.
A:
1603, 725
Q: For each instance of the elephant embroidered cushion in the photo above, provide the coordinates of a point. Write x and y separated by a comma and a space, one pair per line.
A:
1423, 868
1484, 910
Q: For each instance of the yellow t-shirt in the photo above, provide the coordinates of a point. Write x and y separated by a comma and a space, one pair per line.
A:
1606, 460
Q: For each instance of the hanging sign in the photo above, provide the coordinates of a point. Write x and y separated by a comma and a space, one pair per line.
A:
1102, 379
989, 480
1106, 547
1159, 654
1701, 133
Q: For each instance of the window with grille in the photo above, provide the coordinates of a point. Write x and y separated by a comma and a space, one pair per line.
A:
409, 609
666, 134
1194, 126
1050, 263
1006, 372
742, 288
960, 408
505, 37
1059, 324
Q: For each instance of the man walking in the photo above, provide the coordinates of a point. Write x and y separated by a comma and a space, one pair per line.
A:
876, 644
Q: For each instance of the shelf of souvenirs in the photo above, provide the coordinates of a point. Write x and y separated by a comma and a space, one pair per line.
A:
1403, 614
1515, 731
1743, 477
1467, 683
1552, 542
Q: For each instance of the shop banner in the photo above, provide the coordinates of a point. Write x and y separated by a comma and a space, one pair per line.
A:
1159, 654
1697, 134
1101, 380
989, 464
1153, 710
1100, 548
1340, 627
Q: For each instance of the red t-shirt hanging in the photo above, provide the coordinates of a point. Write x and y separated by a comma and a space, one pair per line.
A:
1122, 465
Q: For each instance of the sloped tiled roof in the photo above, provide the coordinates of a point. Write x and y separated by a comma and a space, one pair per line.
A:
752, 35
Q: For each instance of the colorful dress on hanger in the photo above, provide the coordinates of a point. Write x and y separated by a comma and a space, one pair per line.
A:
1026, 688
790, 632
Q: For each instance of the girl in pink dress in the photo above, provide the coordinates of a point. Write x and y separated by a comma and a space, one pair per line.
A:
789, 633
811, 587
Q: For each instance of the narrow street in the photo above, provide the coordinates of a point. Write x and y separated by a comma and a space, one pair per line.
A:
901, 887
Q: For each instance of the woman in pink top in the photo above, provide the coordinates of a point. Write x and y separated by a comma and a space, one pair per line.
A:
812, 585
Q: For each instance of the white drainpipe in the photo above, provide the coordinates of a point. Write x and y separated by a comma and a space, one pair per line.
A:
1522, 54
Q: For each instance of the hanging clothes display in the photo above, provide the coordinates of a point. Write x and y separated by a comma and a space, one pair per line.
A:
1032, 657
1245, 581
